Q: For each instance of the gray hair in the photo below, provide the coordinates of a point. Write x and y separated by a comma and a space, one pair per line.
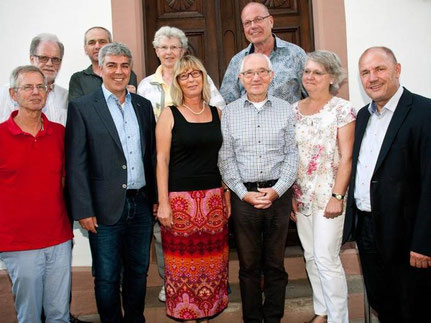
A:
108, 33
48, 38
13, 79
170, 32
332, 64
268, 61
115, 49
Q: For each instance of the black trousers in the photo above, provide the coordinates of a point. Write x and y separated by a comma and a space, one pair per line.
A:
260, 237
396, 291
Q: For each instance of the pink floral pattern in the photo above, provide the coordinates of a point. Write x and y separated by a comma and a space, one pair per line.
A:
316, 136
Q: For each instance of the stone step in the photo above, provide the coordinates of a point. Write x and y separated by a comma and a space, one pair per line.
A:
298, 293
298, 306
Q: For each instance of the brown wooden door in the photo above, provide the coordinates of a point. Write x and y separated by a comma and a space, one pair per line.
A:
215, 34
214, 28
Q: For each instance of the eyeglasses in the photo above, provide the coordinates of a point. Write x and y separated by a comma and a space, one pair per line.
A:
261, 73
184, 76
30, 88
45, 59
256, 21
315, 73
172, 48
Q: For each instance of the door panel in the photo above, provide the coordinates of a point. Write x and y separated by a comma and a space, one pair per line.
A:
214, 28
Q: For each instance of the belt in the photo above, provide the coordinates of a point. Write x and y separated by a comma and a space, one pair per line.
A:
363, 213
134, 192
253, 186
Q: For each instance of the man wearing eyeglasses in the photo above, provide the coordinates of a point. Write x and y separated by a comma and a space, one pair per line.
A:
287, 59
46, 52
35, 232
258, 161
89, 80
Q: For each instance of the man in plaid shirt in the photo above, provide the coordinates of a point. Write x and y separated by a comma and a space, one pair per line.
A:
258, 162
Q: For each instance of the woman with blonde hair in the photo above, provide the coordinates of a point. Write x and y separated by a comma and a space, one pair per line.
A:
193, 205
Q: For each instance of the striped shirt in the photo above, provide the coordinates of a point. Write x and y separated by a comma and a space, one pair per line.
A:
258, 145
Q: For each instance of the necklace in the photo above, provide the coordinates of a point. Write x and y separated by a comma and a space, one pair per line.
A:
196, 113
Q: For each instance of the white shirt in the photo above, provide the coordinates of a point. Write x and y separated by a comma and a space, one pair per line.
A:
55, 107
370, 148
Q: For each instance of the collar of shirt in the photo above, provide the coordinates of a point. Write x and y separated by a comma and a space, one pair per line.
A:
277, 44
257, 105
158, 77
89, 71
16, 130
390, 105
110, 96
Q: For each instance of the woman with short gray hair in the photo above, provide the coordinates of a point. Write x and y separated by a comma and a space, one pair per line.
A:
324, 132
170, 44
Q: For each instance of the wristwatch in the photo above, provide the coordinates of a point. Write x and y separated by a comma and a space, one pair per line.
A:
339, 197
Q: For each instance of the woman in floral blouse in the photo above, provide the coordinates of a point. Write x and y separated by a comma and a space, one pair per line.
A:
324, 133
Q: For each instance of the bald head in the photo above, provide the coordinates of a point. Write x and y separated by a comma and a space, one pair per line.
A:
389, 53
255, 5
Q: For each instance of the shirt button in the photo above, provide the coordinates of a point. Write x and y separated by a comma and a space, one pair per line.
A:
258, 126
124, 166
124, 186
259, 141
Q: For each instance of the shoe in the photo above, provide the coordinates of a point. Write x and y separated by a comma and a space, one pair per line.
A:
162, 295
74, 319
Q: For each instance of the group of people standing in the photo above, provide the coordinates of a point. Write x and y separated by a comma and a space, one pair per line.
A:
178, 155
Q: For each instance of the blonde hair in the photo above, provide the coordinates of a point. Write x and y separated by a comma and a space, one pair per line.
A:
185, 63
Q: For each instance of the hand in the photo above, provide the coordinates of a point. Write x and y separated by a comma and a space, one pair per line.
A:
258, 199
334, 208
164, 214
419, 261
294, 210
155, 207
131, 88
270, 193
89, 224
228, 205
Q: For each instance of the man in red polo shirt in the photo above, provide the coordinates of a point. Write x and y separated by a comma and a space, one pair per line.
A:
35, 233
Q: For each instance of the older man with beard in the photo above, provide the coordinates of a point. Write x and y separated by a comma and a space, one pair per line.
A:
46, 52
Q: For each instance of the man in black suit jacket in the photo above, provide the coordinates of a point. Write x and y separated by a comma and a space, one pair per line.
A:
389, 204
110, 164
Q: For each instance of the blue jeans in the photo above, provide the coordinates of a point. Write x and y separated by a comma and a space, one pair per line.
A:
41, 277
125, 244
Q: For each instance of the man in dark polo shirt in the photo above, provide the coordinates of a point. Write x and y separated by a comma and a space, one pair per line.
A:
89, 80
35, 232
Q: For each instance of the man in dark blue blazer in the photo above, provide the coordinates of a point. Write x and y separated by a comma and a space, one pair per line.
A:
389, 203
110, 167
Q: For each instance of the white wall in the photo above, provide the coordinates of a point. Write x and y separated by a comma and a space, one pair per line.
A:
402, 25
21, 20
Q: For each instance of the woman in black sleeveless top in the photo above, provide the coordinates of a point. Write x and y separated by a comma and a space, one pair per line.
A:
192, 202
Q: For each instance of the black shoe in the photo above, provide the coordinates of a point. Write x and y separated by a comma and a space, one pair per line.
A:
74, 319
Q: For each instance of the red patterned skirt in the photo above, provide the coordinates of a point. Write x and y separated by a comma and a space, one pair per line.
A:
196, 253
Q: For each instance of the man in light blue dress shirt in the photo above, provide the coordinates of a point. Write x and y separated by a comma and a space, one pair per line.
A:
110, 165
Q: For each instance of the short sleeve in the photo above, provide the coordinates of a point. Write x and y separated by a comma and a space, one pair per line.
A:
345, 113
